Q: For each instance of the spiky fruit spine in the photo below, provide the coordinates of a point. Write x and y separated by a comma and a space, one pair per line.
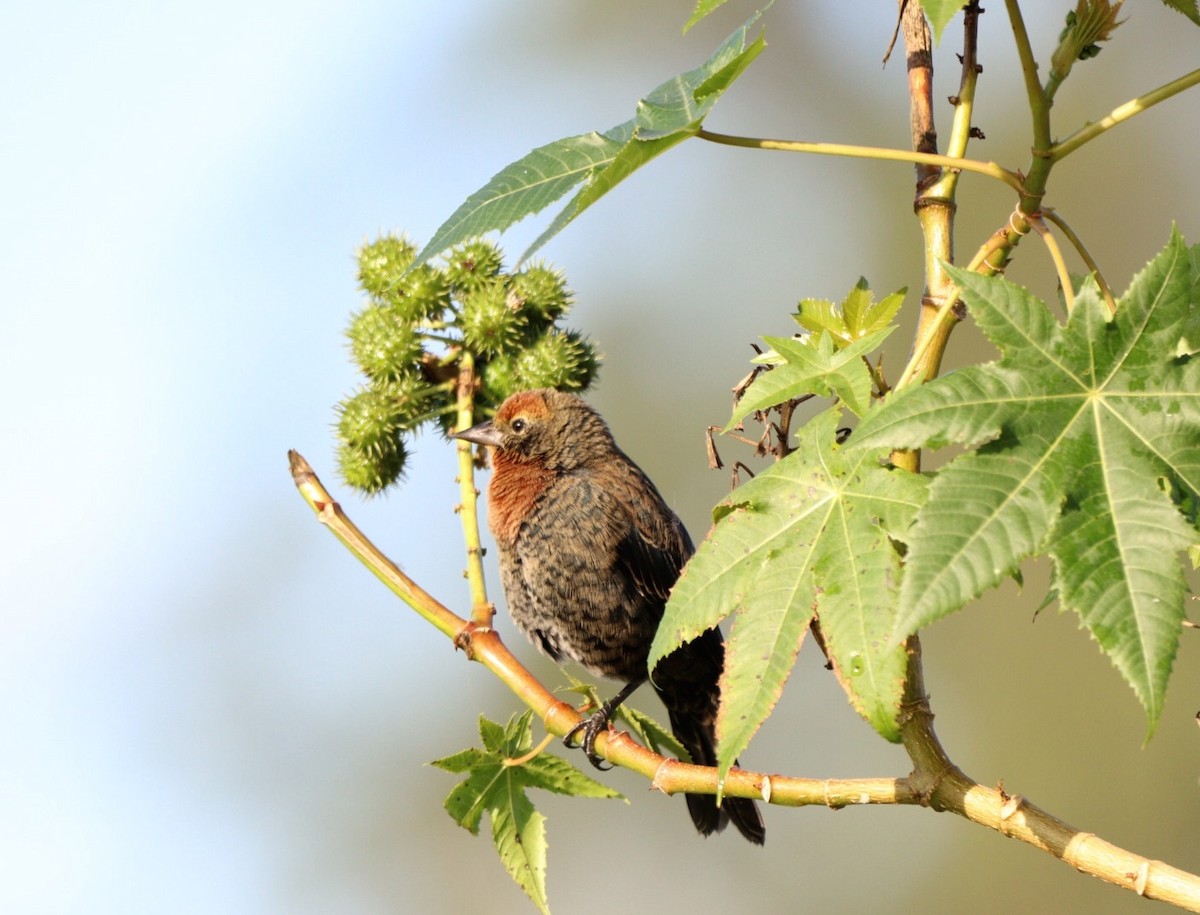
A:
489, 323
383, 344
472, 264
382, 263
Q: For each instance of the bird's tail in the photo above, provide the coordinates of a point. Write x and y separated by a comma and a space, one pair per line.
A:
688, 682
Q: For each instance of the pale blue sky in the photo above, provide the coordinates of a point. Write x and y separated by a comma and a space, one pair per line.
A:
206, 705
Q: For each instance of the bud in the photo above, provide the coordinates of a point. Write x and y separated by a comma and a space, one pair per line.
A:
1090, 22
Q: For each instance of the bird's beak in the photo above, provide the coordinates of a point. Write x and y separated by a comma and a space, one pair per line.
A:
484, 433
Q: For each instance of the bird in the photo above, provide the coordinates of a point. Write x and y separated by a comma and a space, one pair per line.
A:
589, 552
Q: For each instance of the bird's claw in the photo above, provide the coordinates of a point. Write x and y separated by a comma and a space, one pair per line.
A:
590, 727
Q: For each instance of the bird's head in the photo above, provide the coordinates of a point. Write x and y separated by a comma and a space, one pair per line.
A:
548, 427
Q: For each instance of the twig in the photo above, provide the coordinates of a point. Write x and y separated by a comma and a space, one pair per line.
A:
1122, 113
1086, 255
990, 169
1060, 266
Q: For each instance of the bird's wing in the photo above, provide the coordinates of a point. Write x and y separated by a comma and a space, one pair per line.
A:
655, 548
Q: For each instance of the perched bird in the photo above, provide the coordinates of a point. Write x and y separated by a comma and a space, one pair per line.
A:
589, 552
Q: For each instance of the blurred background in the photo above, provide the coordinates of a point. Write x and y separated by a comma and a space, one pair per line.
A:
209, 706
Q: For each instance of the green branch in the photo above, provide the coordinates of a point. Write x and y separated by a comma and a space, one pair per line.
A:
990, 169
1121, 113
468, 508
1081, 249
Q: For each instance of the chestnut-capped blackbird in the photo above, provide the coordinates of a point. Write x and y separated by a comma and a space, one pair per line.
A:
589, 552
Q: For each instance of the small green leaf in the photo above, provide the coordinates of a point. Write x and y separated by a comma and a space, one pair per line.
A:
865, 316
812, 366
939, 13
496, 784
553, 773
652, 734
703, 8
857, 316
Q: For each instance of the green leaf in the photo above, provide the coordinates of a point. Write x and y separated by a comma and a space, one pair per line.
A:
1187, 7
857, 316
652, 734
812, 366
809, 535
829, 359
703, 8
519, 834
598, 161
1189, 343
939, 13
496, 784
528, 186
1080, 425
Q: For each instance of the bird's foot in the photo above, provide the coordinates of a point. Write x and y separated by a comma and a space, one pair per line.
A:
590, 727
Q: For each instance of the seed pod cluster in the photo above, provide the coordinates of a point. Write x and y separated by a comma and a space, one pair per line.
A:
409, 338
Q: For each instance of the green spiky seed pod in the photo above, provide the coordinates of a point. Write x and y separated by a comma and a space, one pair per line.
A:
368, 421
558, 359
423, 295
374, 415
498, 379
472, 264
382, 344
541, 291
382, 262
489, 324
374, 471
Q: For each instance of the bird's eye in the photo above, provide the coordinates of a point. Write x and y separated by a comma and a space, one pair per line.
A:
518, 425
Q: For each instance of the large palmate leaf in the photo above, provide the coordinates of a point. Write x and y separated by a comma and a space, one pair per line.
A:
810, 535
497, 777
599, 161
1089, 432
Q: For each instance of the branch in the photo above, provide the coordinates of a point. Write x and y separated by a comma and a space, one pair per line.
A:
1051, 216
935, 781
1060, 265
1123, 113
991, 169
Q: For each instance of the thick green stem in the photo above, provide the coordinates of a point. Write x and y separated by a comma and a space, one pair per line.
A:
482, 610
